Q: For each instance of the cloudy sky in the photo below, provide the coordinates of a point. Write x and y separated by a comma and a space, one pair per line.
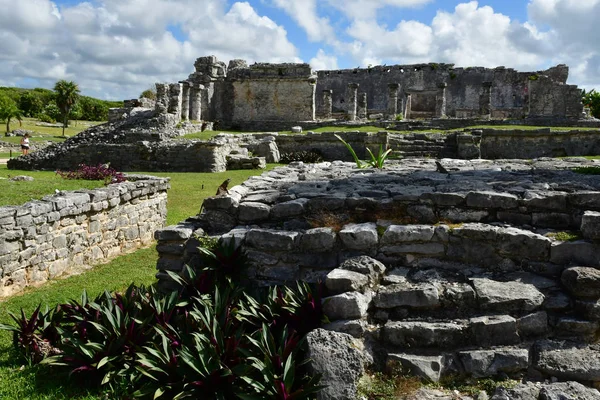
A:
114, 49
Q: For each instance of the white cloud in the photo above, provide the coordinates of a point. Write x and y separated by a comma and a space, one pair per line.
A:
304, 12
323, 61
367, 9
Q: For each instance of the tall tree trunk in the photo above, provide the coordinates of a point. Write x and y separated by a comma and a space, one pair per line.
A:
64, 123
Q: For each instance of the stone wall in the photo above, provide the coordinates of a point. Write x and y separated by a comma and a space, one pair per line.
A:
69, 231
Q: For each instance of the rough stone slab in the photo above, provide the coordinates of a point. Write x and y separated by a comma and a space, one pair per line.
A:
588, 200
590, 225
494, 330
359, 236
318, 240
445, 199
224, 203
476, 232
351, 305
288, 209
518, 243
565, 360
492, 200
174, 233
337, 356
425, 334
341, 281
575, 253
354, 327
582, 282
570, 326
568, 391
429, 249
545, 200
253, 211
428, 367
407, 233
589, 309
488, 363
365, 265
507, 296
535, 324
551, 220
329, 203
395, 276
265, 239
463, 215
421, 295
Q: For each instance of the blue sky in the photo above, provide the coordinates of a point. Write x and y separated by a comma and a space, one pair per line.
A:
117, 48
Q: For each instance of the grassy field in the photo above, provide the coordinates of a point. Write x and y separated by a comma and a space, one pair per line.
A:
44, 133
19, 381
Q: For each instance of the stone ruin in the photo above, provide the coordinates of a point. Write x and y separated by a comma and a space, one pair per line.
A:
445, 274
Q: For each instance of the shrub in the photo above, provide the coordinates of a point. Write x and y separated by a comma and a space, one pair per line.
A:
312, 156
43, 117
399, 117
214, 341
100, 172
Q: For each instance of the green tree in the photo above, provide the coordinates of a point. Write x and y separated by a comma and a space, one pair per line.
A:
31, 103
591, 99
67, 93
149, 94
8, 111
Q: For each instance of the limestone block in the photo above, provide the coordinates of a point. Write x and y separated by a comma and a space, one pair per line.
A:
551, 220
174, 233
338, 357
341, 281
492, 200
365, 265
288, 209
445, 199
253, 212
463, 215
407, 233
395, 276
582, 282
488, 363
221, 203
568, 390
430, 249
318, 240
428, 367
590, 225
421, 295
545, 200
355, 327
425, 334
586, 200
9, 247
458, 294
494, 330
519, 243
265, 239
569, 326
263, 196
359, 236
578, 252
351, 305
507, 296
533, 324
567, 361
557, 302
329, 203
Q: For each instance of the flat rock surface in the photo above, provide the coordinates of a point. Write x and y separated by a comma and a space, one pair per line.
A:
568, 361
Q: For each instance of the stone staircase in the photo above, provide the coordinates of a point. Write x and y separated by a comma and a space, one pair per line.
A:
420, 145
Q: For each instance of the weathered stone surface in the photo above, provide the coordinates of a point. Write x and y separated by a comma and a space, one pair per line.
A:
485, 363
568, 391
359, 236
569, 326
430, 249
428, 367
365, 265
271, 239
582, 282
407, 233
491, 200
225, 203
338, 358
568, 361
341, 280
590, 225
318, 239
424, 334
420, 295
351, 305
533, 324
174, 232
507, 296
518, 243
355, 327
575, 253
253, 212
288, 209
494, 330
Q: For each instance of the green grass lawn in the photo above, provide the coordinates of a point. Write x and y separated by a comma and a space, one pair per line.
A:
19, 381
45, 133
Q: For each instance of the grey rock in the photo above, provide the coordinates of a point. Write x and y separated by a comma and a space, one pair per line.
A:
430, 249
253, 211
407, 233
590, 225
288, 209
491, 200
568, 360
568, 391
174, 233
428, 367
488, 363
395, 276
351, 305
265, 239
569, 326
355, 327
421, 295
365, 265
507, 296
575, 253
494, 330
425, 334
341, 280
318, 240
336, 356
523, 391
589, 309
533, 324
582, 282
359, 236
518, 243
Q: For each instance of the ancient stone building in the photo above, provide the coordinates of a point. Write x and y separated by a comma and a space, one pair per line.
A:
242, 96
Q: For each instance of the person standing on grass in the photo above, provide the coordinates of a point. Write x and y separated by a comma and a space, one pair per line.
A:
25, 144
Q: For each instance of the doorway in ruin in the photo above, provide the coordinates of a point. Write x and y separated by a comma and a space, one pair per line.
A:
421, 104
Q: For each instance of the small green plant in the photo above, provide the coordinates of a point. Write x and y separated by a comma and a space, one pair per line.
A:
312, 156
534, 77
587, 170
452, 75
377, 161
399, 117
359, 163
565, 236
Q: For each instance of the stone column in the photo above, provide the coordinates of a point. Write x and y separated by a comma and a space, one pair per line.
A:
185, 101
408, 106
392, 107
162, 98
485, 101
361, 109
196, 102
327, 104
175, 98
352, 96
440, 101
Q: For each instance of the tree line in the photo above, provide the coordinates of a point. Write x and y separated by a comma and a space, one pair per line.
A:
62, 104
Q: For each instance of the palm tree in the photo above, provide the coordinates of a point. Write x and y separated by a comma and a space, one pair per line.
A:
67, 94
8, 111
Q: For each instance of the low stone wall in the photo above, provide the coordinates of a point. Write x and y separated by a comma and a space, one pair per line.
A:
47, 238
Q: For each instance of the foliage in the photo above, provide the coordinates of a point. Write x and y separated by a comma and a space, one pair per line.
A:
222, 344
388, 385
591, 99
100, 172
31, 103
376, 161
565, 236
52, 111
149, 94
67, 93
591, 170
399, 117
312, 156
43, 117
8, 111
359, 163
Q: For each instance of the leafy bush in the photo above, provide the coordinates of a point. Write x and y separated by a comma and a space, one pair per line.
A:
591, 99
312, 156
43, 117
214, 341
100, 172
